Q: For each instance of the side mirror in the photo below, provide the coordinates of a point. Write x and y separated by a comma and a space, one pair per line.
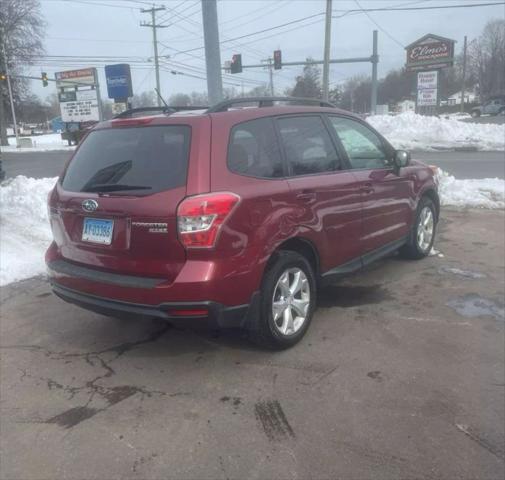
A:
401, 159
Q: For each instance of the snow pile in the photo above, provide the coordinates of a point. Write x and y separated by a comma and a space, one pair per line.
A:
482, 193
24, 227
410, 131
41, 143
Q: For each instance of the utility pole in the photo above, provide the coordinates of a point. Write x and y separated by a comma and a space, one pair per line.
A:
212, 53
464, 78
11, 98
271, 73
327, 42
153, 25
375, 83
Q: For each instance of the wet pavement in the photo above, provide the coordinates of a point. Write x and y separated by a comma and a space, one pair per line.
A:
400, 376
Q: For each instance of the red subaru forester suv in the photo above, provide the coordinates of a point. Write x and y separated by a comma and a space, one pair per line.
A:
234, 215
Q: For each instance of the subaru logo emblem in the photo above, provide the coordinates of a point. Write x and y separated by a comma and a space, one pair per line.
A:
89, 205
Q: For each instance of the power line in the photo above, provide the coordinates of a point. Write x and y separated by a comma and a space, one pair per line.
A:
261, 31
347, 11
437, 7
89, 3
378, 26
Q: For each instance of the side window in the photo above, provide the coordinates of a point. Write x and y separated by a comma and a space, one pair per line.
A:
364, 148
308, 145
253, 150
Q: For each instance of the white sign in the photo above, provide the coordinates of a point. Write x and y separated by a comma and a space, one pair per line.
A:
427, 80
119, 107
84, 109
427, 97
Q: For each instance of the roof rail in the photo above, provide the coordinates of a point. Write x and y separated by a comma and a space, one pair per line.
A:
168, 110
267, 102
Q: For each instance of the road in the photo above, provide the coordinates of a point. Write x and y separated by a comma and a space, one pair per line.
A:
492, 119
34, 164
460, 164
466, 164
400, 376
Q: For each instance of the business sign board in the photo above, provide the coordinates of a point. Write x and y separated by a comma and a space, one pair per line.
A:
427, 97
119, 81
76, 78
427, 80
430, 51
82, 106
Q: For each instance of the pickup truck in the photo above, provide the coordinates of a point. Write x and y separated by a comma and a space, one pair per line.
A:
494, 106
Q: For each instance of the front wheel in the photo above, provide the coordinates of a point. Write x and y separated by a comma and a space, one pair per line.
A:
288, 299
422, 236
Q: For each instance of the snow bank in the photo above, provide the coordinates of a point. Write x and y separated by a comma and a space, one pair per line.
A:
41, 143
410, 131
24, 227
482, 193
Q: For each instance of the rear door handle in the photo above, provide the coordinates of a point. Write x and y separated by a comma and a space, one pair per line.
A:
367, 188
306, 196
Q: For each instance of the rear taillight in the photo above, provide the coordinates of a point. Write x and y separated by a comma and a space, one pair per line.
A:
199, 218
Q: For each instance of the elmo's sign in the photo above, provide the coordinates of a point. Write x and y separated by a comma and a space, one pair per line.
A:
430, 51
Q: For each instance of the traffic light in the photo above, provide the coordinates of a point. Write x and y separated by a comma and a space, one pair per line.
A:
3, 76
236, 63
45, 83
277, 60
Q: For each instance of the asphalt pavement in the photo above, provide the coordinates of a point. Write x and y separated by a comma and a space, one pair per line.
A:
465, 165
401, 376
492, 119
460, 164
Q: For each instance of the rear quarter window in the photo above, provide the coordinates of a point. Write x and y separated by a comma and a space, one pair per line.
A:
154, 158
253, 150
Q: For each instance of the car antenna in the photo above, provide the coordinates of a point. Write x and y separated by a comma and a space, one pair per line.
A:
160, 97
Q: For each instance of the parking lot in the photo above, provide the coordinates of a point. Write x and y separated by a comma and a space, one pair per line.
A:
400, 376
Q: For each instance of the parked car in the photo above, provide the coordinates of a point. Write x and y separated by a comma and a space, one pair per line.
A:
236, 216
494, 106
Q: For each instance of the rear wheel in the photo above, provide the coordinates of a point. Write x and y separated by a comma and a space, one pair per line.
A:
422, 236
475, 113
288, 297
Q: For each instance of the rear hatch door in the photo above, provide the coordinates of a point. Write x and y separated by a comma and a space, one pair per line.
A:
115, 205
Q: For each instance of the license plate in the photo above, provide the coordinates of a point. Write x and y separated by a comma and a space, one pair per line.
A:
97, 231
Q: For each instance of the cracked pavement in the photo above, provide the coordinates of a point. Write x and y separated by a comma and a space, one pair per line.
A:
401, 375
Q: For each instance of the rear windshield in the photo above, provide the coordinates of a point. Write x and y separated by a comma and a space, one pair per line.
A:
133, 160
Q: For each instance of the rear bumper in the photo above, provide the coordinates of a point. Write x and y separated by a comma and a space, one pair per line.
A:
222, 279
209, 313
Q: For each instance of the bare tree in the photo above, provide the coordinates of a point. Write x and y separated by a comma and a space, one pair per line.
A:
21, 32
309, 83
487, 59
145, 99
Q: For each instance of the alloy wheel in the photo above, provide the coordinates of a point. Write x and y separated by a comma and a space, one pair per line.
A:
291, 301
425, 228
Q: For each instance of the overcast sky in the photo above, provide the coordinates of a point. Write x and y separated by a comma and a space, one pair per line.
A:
98, 28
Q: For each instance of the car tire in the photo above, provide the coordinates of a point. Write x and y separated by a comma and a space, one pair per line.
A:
423, 232
287, 302
475, 113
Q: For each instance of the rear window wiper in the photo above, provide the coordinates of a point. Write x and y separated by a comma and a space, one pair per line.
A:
113, 187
